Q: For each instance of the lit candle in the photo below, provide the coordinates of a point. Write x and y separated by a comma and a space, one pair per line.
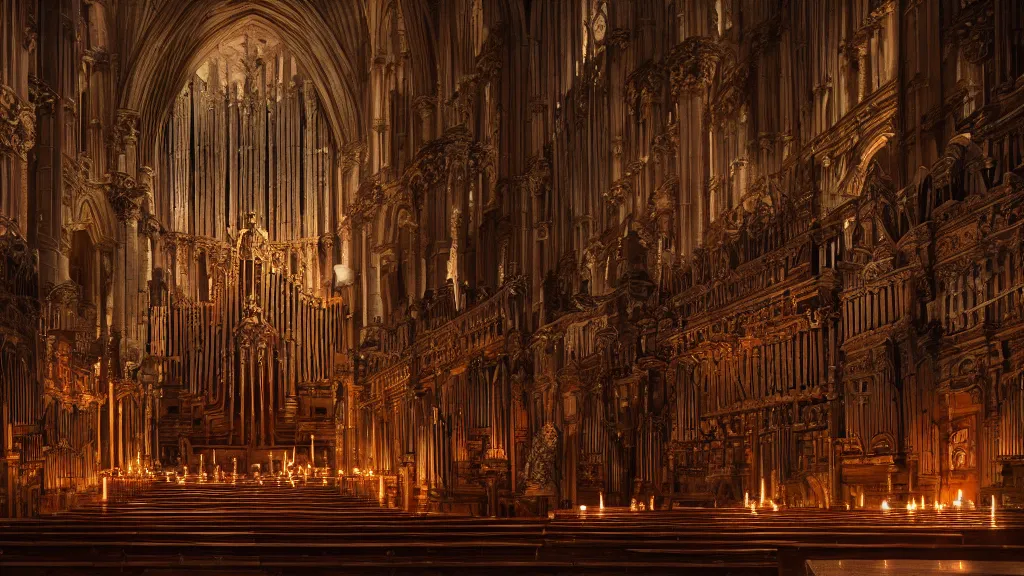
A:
762, 491
746, 499
312, 458
885, 505
104, 488
652, 503
602, 500
993, 497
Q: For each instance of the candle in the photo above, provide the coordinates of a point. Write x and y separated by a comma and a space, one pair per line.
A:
602, 501
312, 458
652, 503
104, 488
746, 499
762, 491
381, 489
993, 497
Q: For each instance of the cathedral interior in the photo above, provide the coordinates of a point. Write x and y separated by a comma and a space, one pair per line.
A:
428, 280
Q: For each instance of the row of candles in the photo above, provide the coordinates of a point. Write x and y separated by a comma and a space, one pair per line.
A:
958, 504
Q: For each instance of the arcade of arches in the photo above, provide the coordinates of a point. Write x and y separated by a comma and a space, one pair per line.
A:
515, 255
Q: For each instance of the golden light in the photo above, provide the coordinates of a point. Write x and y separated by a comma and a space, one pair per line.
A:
885, 505
753, 508
583, 507
601, 501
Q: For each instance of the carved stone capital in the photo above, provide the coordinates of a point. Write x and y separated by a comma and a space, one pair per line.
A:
125, 196
691, 64
42, 96
125, 130
352, 155
17, 124
424, 106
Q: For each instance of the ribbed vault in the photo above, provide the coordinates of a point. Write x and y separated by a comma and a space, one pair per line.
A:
327, 38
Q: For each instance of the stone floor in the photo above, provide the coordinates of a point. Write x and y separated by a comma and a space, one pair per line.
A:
274, 529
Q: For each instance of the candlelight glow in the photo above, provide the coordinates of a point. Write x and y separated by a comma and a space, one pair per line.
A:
601, 501
746, 499
583, 507
762, 491
775, 507
753, 508
959, 502
885, 505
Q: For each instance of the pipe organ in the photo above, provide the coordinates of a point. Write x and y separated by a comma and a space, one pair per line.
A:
243, 364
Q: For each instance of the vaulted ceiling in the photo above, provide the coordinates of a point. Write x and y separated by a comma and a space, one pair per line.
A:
168, 40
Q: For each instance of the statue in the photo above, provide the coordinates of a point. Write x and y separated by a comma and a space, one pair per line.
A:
539, 472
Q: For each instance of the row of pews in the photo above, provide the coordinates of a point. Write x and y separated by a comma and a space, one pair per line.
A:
312, 529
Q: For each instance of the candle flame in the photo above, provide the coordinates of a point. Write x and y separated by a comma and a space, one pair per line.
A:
885, 505
583, 507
